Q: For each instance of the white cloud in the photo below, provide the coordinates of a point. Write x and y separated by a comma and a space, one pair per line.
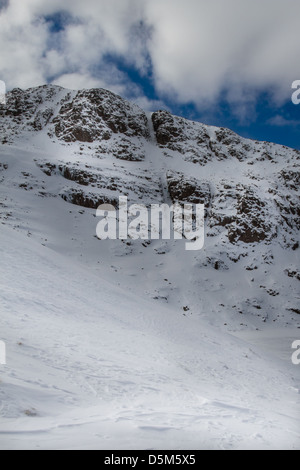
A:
149, 105
280, 121
78, 81
201, 51
202, 48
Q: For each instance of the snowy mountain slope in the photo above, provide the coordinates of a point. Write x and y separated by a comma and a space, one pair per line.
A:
70, 298
85, 370
250, 191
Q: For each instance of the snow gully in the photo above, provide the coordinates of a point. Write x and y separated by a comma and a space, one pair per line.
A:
138, 222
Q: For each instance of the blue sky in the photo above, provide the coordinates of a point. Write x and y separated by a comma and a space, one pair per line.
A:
267, 120
227, 64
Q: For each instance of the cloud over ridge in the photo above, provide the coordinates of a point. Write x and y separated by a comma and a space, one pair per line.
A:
192, 51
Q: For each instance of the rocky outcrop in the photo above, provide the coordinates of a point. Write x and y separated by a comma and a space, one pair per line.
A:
200, 144
98, 114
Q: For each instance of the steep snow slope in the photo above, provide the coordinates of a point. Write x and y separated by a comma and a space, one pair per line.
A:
91, 366
143, 344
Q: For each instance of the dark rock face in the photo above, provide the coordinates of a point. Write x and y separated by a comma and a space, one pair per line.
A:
166, 128
249, 220
201, 144
127, 150
188, 190
179, 135
91, 186
23, 105
251, 224
26, 110
291, 178
82, 177
97, 114
87, 200
86, 116
294, 273
248, 212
